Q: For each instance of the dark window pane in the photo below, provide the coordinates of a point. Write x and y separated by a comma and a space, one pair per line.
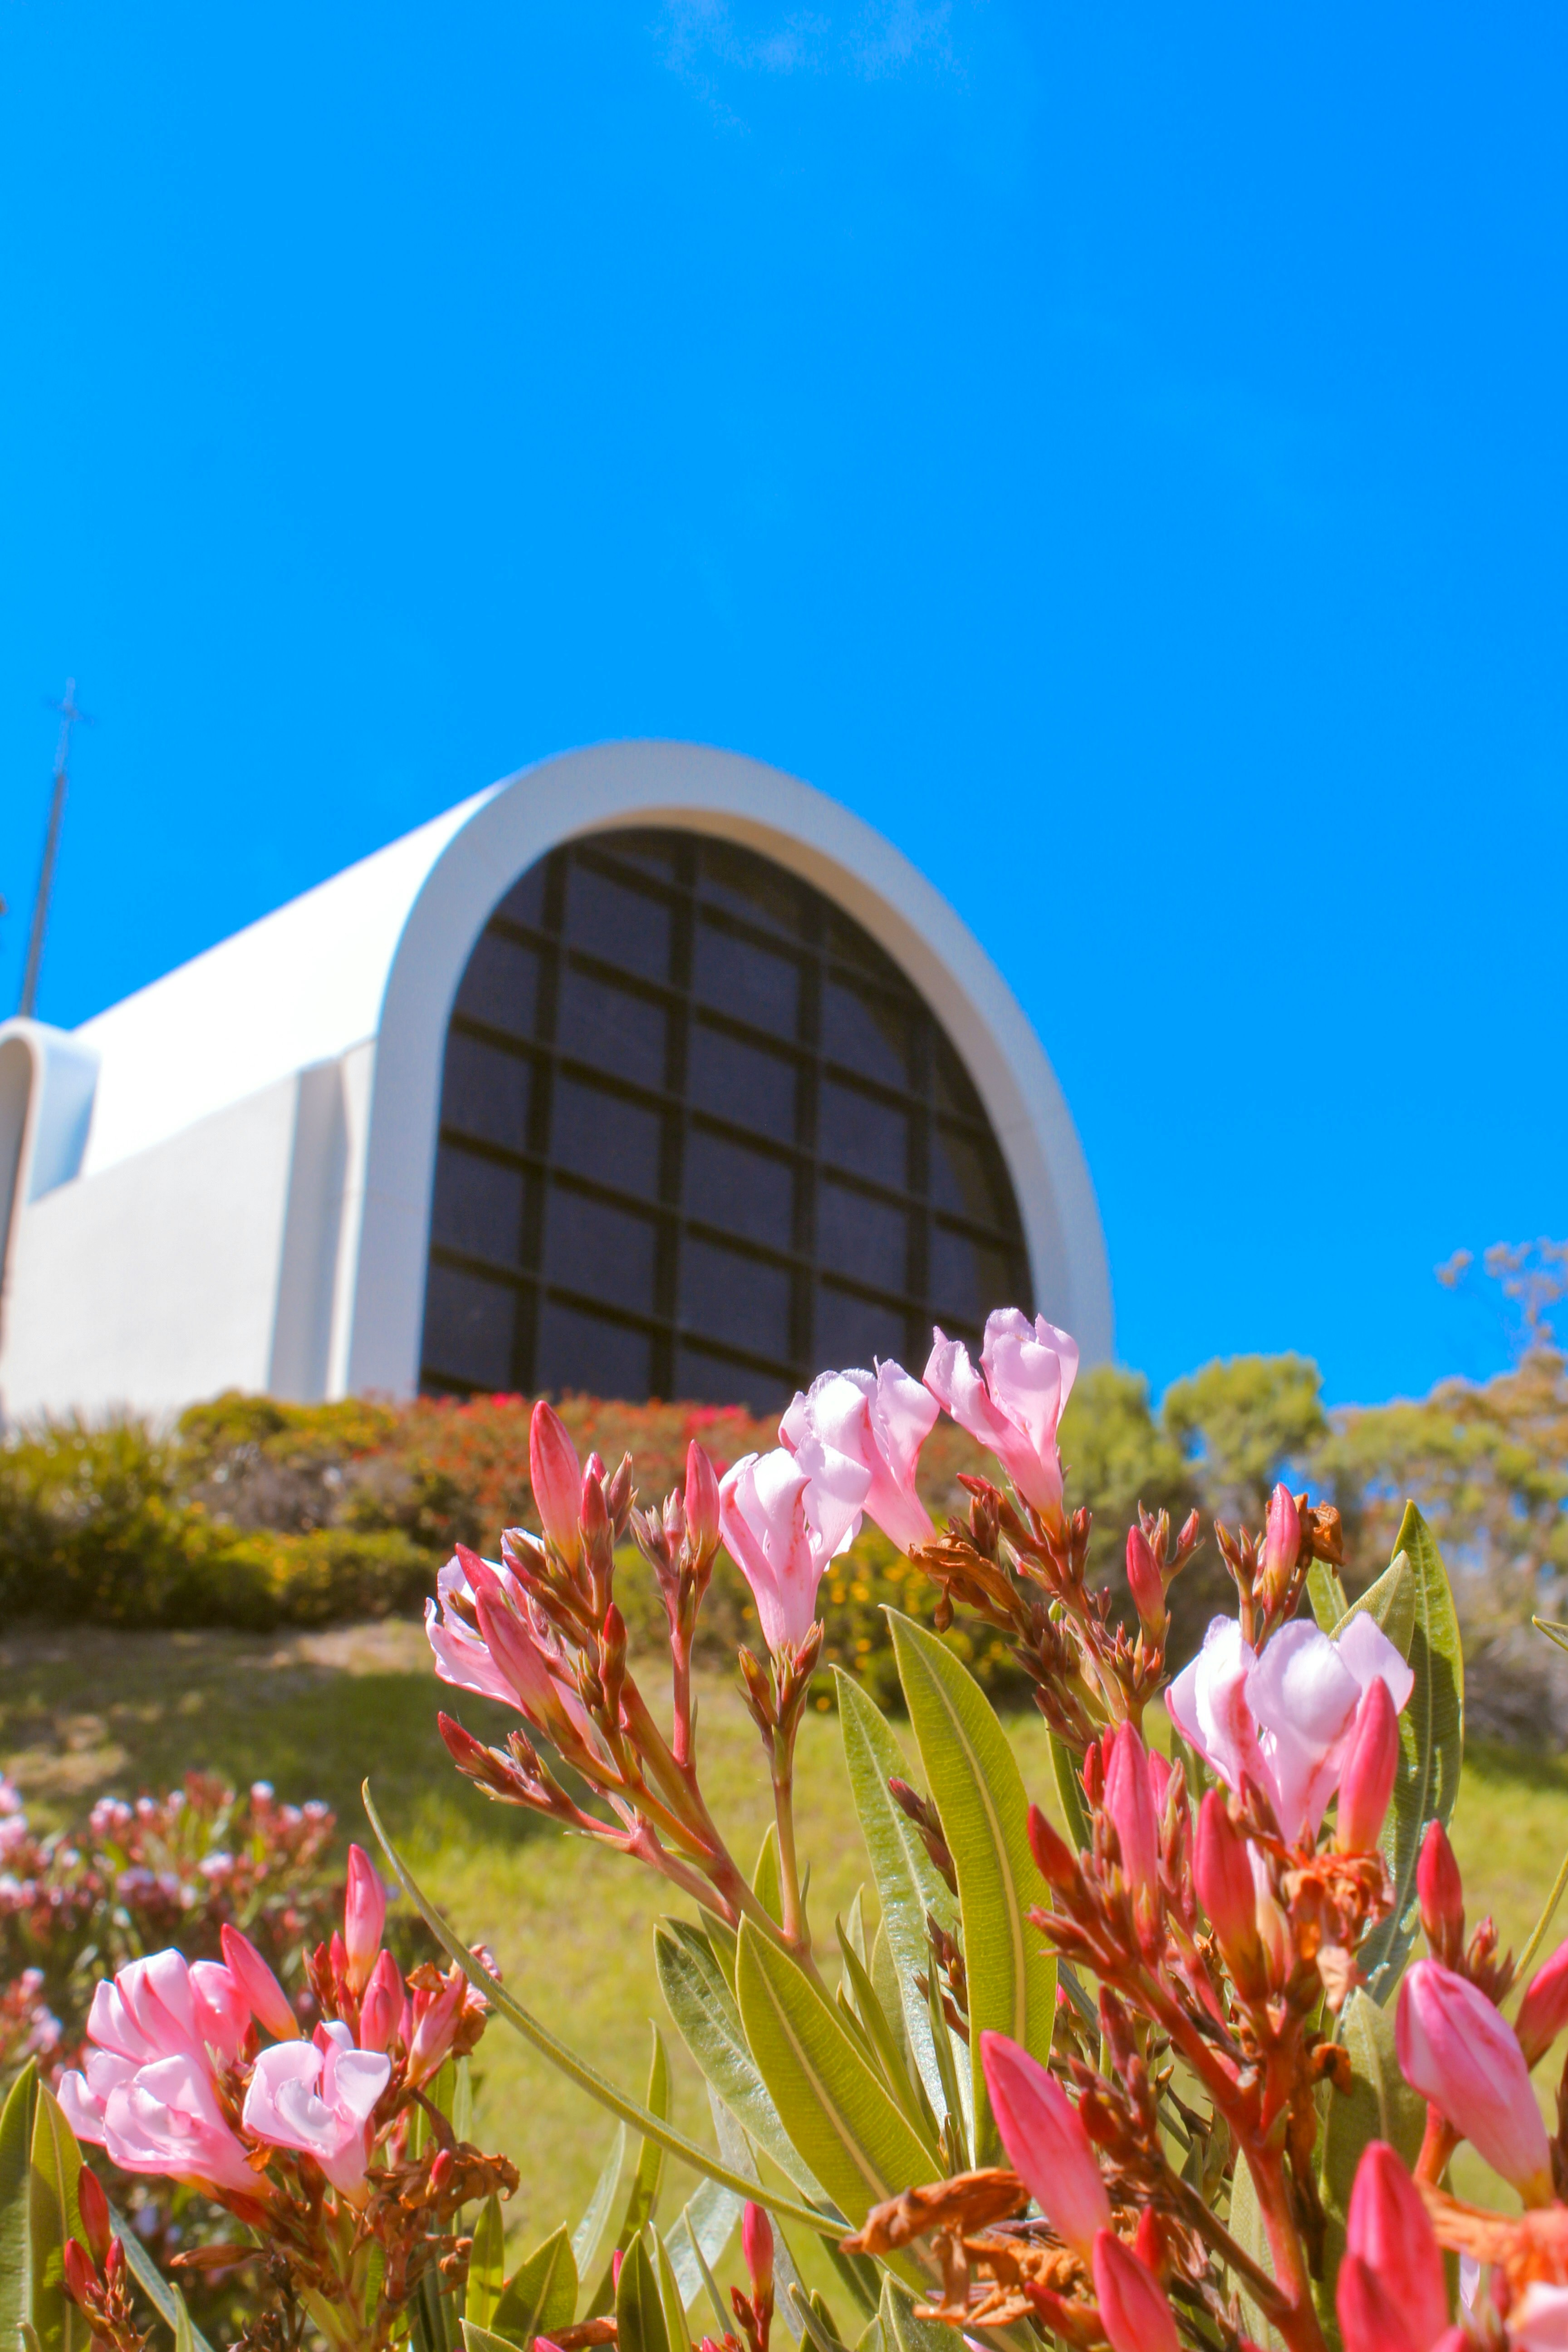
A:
735, 1299
605, 1026
847, 944
704, 1379
754, 1088
954, 1089
500, 986
524, 902
585, 1351
751, 887
964, 1177
622, 925
605, 1253
599, 1134
866, 1137
859, 1237
851, 1331
743, 1190
748, 983
654, 852
486, 1092
479, 1206
468, 1328
867, 1032
967, 1279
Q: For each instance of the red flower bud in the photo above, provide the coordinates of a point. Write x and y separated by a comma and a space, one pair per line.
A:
757, 2250
1544, 2011
1370, 2319
364, 1915
268, 2002
1366, 1783
1388, 2227
93, 2207
1129, 1803
1146, 1584
1222, 1873
1054, 1858
1282, 1540
80, 2277
1441, 1895
701, 1503
1134, 2310
556, 1479
380, 2010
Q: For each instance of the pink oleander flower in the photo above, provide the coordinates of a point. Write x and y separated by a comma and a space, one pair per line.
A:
1539, 2321
364, 1917
1366, 1778
317, 2097
163, 2117
1388, 2229
1134, 2309
1544, 2011
433, 2024
1223, 1875
1146, 1584
380, 2012
1044, 2135
1013, 1402
555, 1475
489, 1637
269, 2004
784, 1517
166, 2007
1134, 1809
1286, 1719
880, 1420
1460, 2052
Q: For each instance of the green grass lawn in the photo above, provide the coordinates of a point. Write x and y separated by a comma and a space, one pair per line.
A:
83, 1715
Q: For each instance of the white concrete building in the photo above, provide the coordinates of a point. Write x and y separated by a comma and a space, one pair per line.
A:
649, 1071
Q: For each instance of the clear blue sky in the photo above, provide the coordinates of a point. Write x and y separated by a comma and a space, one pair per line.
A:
1119, 450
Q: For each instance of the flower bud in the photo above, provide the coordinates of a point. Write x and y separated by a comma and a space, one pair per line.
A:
1441, 1896
382, 2008
1281, 1541
1146, 1584
1370, 2319
1366, 1782
269, 2004
364, 1915
1134, 2310
556, 1480
1457, 2052
1222, 1873
92, 2205
1388, 2227
701, 1503
1129, 1803
1544, 2011
618, 1496
1044, 2135
436, 2016
81, 2276
757, 2250
1054, 1858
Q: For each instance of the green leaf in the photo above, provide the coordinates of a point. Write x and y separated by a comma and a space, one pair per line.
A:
905, 2333
640, 2315
15, 2141
767, 1883
1390, 1603
165, 2300
1327, 1595
1069, 1795
702, 2230
708, 2023
834, 2107
484, 2340
487, 2265
588, 2237
577, 2070
908, 1882
54, 2165
461, 2110
978, 1792
647, 2177
885, 2044
1431, 1745
1247, 2228
184, 2334
668, 2294
541, 2298
1380, 2104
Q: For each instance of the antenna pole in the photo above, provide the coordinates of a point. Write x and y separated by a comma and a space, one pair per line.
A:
69, 714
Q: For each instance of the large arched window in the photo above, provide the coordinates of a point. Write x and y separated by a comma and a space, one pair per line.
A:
699, 1137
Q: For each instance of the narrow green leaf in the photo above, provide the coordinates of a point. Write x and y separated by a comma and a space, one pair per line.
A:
1432, 1744
54, 2165
952, 2092
461, 2110
184, 2334
885, 2047
670, 2297
1247, 2228
891, 1993
647, 2177
702, 2230
577, 2070
485, 2339
15, 2141
817, 2322
640, 2315
371, 2265
1327, 1595
978, 1790
766, 1882
834, 2109
908, 1882
1390, 1603
903, 2331
1069, 1795
487, 2265
1380, 2104
542, 2295
165, 2300
736, 2152
588, 2237
708, 2023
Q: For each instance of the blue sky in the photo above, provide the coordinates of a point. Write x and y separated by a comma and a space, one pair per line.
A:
1120, 452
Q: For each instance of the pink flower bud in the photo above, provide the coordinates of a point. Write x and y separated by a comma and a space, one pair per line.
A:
80, 2277
1223, 1877
1458, 2052
1054, 1858
702, 1502
1043, 2134
757, 2249
1282, 1539
1146, 1584
1370, 2319
1441, 1896
1129, 1803
556, 1479
1544, 2011
382, 2008
93, 2207
1366, 1783
268, 2002
1388, 2227
364, 1915
1134, 2310
436, 2016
